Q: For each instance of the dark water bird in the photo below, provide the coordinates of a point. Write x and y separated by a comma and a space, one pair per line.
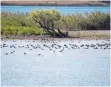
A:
19, 47
108, 40
95, 47
1, 46
22, 46
72, 47
50, 48
6, 53
25, 53
42, 49
65, 46
86, 48
104, 48
82, 45
4, 45
61, 49
44, 45
39, 54
87, 45
52, 45
27, 46
12, 46
56, 48
59, 46
12, 52
92, 45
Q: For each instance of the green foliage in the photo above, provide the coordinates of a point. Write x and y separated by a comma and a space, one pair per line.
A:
70, 22
17, 19
51, 15
86, 21
18, 24
12, 30
46, 18
24, 24
30, 31
96, 21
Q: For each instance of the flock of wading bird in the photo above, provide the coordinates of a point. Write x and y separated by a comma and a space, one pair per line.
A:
55, 45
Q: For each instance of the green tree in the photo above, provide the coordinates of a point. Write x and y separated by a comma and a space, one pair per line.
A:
47, 20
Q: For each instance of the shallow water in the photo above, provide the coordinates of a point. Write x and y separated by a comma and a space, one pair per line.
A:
29, 66
62, 9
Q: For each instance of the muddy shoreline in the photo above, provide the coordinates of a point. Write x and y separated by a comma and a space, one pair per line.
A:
37, 37
91, 35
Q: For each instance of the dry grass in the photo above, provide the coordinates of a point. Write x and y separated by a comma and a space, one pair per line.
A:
90, 34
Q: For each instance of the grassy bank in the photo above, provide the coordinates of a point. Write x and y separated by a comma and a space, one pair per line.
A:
78, 25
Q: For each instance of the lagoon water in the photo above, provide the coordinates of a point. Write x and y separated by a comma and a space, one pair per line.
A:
30, 63
24, 65
62, 9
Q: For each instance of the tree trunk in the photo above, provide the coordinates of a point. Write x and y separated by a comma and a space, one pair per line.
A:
51, 31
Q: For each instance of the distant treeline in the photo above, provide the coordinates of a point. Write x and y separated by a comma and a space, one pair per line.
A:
57, 3
23, 24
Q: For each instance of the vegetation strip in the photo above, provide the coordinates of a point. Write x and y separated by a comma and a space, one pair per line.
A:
51, 22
